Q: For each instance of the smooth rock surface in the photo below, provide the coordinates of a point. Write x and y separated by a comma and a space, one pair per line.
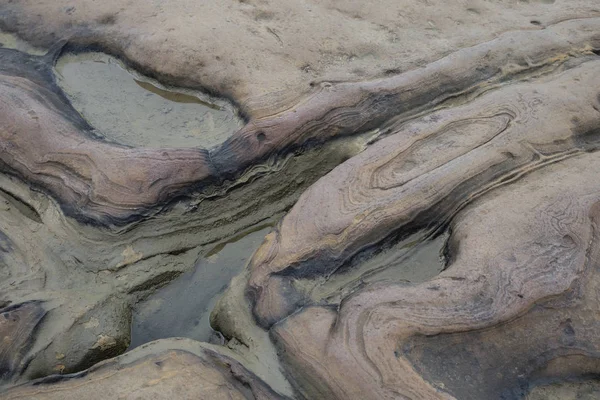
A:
449, 250
133, 110
164, 369
259, 52
523, 254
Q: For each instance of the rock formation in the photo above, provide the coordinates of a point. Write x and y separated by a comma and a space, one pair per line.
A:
437, 205
164, 369
107, 184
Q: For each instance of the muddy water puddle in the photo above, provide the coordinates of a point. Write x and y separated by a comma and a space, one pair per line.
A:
415, 259
133, 110
182, 308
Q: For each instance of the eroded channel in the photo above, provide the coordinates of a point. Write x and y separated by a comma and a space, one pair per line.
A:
130, 109
182, 308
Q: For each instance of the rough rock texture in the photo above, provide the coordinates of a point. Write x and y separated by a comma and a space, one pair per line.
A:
133, 229
17, 330
166, 369
469, 130
587, 390
88, 277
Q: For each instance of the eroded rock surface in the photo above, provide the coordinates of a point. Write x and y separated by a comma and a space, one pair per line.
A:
397, 186
164, 369
260, 52
47, 143
17, 329
522, 254
452, 253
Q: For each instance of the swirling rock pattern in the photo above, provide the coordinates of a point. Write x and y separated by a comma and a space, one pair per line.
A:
42, 143
523, 240
396, 185
45, 141
495, 144
519, 295
126, 238
89, 277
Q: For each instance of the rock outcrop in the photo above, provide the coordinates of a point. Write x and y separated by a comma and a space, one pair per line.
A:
47, 143
475, 164
165, 369
514, 178
511, 174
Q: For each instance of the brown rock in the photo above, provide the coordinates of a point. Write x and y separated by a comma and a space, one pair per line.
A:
107, 184
495, 141
165, 369
514, 175
516, 304
397, 187
265, 54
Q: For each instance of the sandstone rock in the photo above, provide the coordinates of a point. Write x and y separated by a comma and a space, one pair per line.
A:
397, 187
87, 254
263, 54
165, 369
480, 141
516, 304
108, 184
520, 195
